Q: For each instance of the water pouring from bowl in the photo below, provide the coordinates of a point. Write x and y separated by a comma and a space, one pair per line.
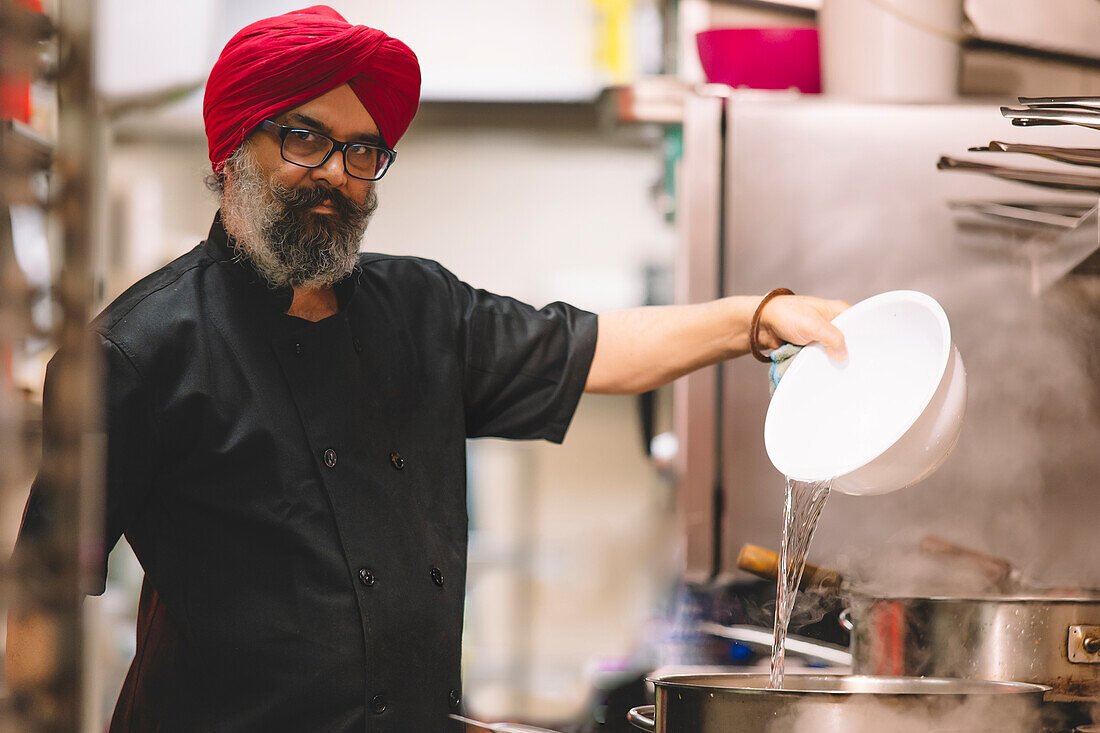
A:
882, 420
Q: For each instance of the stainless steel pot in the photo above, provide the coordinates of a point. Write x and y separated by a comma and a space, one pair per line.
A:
1044, 636
1051, 641
741, 703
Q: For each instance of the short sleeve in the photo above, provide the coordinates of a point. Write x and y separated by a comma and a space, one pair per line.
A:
131, 445
525, 369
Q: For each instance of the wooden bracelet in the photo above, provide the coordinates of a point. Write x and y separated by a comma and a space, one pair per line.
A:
754, 327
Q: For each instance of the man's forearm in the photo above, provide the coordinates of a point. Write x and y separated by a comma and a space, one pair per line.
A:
643, 348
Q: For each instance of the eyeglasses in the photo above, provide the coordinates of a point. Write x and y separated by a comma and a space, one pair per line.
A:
311, 149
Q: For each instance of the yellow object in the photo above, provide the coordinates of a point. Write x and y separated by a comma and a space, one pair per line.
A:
614, 50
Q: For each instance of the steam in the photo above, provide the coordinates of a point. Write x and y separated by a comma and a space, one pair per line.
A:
899, 568
1021, 482
918, 714
813, 604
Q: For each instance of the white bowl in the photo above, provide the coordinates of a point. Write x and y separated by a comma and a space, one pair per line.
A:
884, 419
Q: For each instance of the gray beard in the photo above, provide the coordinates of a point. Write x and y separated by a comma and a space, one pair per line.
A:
272, 227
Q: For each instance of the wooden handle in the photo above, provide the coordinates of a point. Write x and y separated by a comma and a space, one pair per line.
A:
764, 563
996, 569
758, 561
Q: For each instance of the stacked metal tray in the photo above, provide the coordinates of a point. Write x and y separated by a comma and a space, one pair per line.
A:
1055, 237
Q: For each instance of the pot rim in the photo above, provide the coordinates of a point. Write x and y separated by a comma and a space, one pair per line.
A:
937, 686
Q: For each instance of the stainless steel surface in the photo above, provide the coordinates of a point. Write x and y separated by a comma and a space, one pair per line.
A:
830, 654
1082, 117
1078, 106
643, 717
844, 201
1048, 215
845, 619
1018, 638
1049, 179
1035, 122
1032, 101
1083, 646
741, 703
695, 397
1050, 251
1073, 156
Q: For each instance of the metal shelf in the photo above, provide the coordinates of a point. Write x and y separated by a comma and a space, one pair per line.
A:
1051, 244
975, 39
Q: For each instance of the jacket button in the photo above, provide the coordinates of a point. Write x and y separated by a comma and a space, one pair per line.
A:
366, 577
330, 458
437, 576
357, 344
397, 460
298, 349
454, 699
378, 704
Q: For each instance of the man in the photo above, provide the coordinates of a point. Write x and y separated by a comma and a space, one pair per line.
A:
287, 417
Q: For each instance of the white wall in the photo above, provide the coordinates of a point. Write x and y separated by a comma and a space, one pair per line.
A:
537, 205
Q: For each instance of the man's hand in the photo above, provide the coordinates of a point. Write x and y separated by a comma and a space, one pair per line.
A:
800, 320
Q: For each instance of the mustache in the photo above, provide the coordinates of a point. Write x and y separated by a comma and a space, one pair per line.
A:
303, 199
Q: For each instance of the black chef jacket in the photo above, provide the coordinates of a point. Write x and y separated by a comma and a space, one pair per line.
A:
295, 491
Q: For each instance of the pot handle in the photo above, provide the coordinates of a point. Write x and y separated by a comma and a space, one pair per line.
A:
643, 717
845, 619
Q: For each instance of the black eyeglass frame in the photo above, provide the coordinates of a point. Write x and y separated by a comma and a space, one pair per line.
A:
283, 130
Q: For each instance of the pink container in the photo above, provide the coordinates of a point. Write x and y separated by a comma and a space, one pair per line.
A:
762, 58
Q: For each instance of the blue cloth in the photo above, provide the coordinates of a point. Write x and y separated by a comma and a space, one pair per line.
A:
781, 359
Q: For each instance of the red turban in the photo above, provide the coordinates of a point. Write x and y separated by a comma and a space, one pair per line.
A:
279, 63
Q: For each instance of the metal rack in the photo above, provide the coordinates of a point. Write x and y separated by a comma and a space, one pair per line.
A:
43, 587
1050, 244
1053, 238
